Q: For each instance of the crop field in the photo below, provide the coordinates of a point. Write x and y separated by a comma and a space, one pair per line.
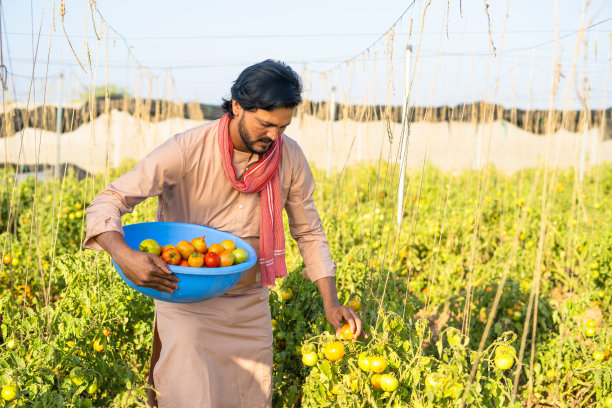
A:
462, 154
496, 292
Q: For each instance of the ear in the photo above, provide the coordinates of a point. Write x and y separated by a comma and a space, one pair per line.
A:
237, 109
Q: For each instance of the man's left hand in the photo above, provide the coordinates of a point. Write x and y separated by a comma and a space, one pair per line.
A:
336, 315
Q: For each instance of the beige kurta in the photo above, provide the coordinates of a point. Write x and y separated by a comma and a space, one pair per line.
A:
216, 353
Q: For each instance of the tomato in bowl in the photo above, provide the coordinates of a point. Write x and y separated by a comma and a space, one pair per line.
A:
195, 284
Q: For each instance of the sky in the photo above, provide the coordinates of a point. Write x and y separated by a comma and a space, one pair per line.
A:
194, 50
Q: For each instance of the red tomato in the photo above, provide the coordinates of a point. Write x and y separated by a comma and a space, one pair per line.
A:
211, 260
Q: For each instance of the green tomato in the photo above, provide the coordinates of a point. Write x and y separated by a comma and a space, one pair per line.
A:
454, 391
378, 364
310, 359
10, 344
308, 348
93, 388
504, 361
9, 392
364, 362
240, 255
598, 356
76, 375
504, 350
453, 337
388, 382
432, 381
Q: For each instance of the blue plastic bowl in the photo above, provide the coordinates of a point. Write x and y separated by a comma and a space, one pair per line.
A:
195, 284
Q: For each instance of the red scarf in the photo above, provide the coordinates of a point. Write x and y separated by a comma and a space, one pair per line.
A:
263, 177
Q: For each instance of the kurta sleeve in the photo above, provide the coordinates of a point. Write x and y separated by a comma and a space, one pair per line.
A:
305, 223
158, 171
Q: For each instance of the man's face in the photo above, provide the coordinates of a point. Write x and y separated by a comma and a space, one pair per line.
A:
260, 128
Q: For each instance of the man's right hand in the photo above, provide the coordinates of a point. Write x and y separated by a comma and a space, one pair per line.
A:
142, 268
148, 270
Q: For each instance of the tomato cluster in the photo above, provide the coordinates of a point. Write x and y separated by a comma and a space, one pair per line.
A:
197, 253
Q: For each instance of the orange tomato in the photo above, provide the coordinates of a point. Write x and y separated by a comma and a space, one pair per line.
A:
169, 246
199, 244
216, 248
345, 332
7, 259
378, 364
184, 262
375, 380
228, 244
98, 346
106, 332
185, 249
334, 351
226, 258
355, 304
171, 256
196, 260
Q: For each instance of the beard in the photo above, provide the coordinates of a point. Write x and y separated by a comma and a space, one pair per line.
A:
250, 142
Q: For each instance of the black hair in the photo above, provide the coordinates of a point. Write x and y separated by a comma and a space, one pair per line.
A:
267, 85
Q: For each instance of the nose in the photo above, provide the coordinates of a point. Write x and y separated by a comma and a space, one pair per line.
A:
273, 134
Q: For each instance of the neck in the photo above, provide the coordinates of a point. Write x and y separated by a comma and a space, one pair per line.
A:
234, 134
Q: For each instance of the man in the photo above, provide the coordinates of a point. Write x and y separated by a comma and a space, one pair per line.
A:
235, 174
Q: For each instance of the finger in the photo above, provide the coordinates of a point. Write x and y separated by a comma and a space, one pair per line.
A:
359, 328
161, 288
336, 322
159, 277
157, 261
356, 325
163, 267
166, 283
159, 280
159, 274
349, 316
